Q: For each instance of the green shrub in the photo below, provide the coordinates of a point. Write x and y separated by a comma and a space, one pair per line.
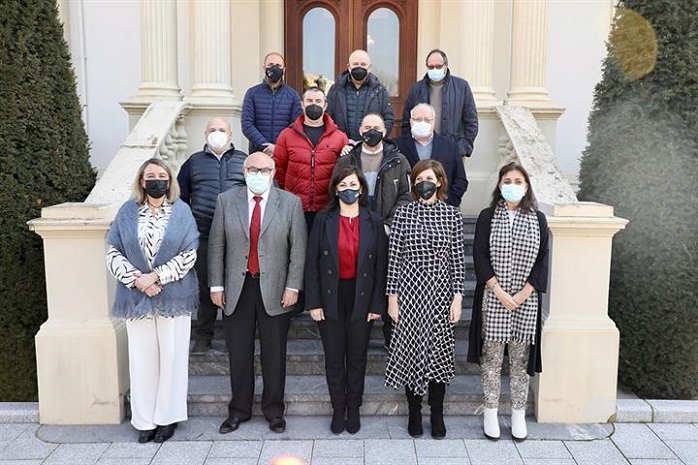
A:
642, 158
44, 160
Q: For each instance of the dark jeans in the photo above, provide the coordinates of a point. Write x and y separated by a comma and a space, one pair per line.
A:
240, 328
208, 312
345, 343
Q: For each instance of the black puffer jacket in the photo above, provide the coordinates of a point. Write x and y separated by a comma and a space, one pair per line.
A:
203, 176
377, 101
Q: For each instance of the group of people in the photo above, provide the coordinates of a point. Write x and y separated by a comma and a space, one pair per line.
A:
330, 215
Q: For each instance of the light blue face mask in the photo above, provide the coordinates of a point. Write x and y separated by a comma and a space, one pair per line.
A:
436, 74
258, 183
512, 192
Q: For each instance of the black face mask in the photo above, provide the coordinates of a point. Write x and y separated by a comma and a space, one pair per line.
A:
372, 137
275, 73
314, 112
359, 73
349, 196
156, 188
425, 189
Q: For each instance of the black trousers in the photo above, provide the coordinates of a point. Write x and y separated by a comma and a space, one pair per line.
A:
208, 312
240, 328
345, 343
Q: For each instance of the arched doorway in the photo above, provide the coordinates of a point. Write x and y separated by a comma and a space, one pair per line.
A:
320, 35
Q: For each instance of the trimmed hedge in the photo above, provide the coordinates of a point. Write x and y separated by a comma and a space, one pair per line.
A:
642, 158
44, 160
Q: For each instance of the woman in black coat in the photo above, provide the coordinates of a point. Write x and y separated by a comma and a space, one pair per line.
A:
510, 252
345, 273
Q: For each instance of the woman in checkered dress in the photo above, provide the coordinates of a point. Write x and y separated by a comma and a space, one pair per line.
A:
510, 257
425, 286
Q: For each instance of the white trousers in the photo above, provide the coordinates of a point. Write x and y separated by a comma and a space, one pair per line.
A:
158, 353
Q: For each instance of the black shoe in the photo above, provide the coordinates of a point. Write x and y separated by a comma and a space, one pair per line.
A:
438, 427
164, 433
201, 346
229, 425
338, 423
353, 420
277, 425
147, 435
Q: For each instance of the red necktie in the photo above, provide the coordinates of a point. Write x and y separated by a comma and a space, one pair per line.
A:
255, 226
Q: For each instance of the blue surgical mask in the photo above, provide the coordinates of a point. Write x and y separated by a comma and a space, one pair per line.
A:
512, 192
258, 183
436, 74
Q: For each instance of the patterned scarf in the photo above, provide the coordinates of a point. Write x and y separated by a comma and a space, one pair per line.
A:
513, 251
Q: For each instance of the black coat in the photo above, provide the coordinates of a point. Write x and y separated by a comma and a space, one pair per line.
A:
446, 152
322, 265
484, 271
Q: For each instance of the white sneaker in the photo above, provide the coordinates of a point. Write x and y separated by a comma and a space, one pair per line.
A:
518, 424
491, 423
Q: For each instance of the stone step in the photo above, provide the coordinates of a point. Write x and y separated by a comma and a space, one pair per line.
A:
306, 357
307, 395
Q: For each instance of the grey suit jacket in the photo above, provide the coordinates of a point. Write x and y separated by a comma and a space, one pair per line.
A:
281, 247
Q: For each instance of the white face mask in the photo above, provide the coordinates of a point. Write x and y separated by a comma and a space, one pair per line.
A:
436, 74
421, 129
258, 183
217, 139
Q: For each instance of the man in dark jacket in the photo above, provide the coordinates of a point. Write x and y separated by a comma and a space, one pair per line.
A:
387, 173
268, 108
451, 97
357, 93
423, 143
204, 175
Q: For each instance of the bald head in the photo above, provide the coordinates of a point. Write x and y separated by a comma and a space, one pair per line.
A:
360, 58
259, 160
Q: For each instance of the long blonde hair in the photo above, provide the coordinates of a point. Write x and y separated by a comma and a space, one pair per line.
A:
139, 194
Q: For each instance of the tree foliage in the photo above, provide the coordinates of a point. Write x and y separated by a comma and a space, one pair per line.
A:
642, 158
44, 160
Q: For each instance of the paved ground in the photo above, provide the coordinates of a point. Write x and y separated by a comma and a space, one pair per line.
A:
383, 440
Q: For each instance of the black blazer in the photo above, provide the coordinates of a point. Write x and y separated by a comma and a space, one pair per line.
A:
446, 152
322, 265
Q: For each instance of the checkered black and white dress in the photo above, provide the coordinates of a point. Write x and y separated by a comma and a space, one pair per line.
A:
425, 269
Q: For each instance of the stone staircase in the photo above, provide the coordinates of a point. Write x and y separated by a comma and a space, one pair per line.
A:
306, 390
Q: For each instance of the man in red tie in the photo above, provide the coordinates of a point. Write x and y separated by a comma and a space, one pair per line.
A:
256, 256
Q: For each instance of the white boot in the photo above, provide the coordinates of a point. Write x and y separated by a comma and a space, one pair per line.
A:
518, 424
491, 423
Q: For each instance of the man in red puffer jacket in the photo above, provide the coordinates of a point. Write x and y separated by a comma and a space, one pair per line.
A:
306, 152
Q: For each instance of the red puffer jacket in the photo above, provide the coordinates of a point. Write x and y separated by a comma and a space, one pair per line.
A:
305, 170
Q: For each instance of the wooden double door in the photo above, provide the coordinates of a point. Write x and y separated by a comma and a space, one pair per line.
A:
321, 34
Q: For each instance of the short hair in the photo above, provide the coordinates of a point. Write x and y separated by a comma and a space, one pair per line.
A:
373, 113
423, 105
438, 169
314, 89
440, 52
528, 202
339, 173
266, 57
139, 194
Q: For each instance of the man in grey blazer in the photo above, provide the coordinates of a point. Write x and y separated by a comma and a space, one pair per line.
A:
256, 256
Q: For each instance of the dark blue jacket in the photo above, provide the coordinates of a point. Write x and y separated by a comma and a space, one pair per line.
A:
202, 177
267, 112
446, 152
458, 111
377, 101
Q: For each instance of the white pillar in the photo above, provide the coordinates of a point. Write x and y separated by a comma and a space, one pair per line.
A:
529, 54
158, 51
477, 51
580, 343
212, 57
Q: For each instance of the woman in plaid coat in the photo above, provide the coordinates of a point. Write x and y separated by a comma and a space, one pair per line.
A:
510, 257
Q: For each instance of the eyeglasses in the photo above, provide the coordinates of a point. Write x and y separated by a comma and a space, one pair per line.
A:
420, 120
264, 171
436, 66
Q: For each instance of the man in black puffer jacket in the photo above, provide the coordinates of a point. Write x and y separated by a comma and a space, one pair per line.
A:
204, 175
357, 93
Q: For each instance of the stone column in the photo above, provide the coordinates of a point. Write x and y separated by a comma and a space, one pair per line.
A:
212, 53
477, 51
81, 353
158, 51
580, 343
529, 54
